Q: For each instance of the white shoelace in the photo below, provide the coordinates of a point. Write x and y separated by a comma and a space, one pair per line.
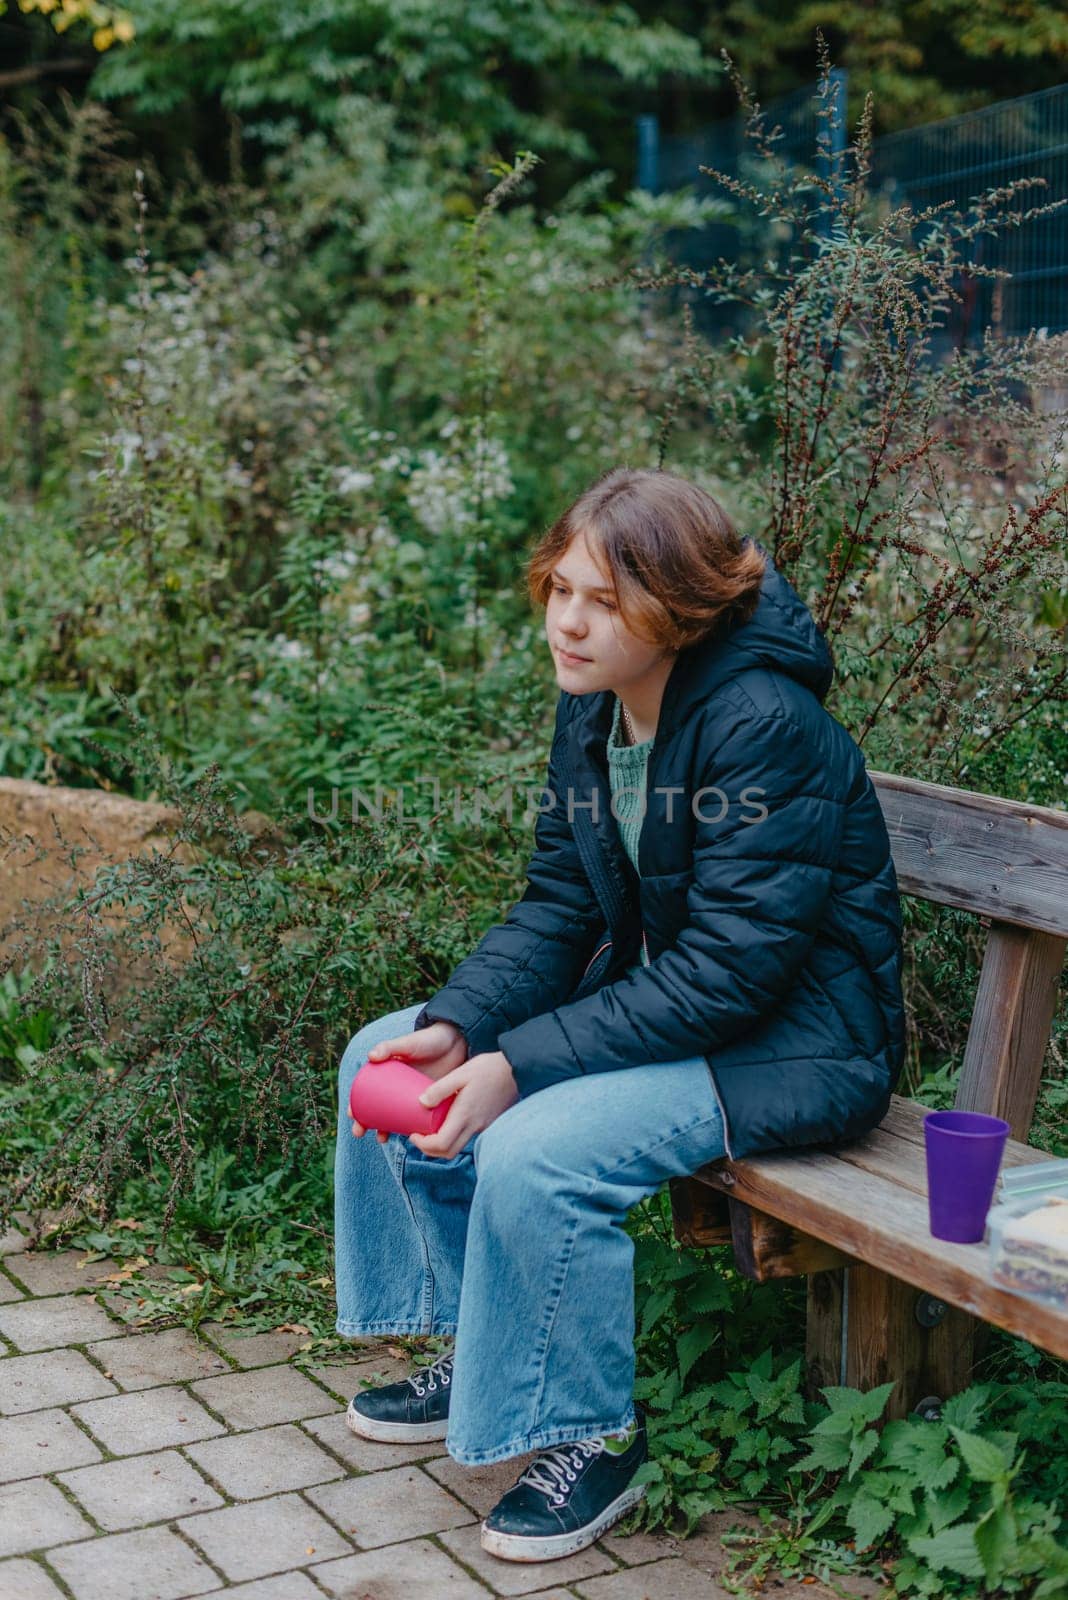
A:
439, 1369
553, 1469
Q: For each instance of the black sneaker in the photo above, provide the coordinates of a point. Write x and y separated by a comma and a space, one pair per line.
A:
566, 1499
408, 1412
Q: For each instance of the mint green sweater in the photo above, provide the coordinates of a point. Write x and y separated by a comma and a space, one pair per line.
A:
626, 771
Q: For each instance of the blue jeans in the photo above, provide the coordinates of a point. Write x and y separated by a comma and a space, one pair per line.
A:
516, 1244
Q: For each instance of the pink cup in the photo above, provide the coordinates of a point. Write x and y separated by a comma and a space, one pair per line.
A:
385, 1096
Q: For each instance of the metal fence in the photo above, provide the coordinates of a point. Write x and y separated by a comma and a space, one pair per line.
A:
952, 160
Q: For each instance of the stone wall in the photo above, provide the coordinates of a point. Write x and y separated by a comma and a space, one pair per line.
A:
52, 841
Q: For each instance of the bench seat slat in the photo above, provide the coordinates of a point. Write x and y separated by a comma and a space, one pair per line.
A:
895, 1150
877, 1218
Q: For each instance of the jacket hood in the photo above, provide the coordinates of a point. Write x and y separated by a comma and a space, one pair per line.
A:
780, 636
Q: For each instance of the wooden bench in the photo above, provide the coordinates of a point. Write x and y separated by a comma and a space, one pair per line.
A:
886, 1300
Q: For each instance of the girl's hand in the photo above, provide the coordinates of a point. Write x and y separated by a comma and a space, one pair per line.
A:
484, 1087
435, 1050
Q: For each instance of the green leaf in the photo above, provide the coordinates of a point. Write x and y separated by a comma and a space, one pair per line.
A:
995, 1539
862, 1448
967, 1409
946, 1507
1043, 1553
681, 1441
982, 1457
840, 1400
855, 1403
693, 1343
794, 1409
829, 1453
654, 1307
730, 1425
873, 1404
765, 1394
709, 1292
919, 1448
869, 1518
952, 1550
838, 1424
916, 1526
790, 1376
1052, 1588
762, 1365
698, 1399
893, 1488
746, 1446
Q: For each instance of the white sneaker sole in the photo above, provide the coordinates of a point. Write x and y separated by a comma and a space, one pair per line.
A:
394, 1432
518, 1547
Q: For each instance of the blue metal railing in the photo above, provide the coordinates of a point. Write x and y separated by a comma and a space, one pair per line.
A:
951, 160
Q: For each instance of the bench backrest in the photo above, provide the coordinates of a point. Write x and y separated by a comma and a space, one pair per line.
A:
1006, 861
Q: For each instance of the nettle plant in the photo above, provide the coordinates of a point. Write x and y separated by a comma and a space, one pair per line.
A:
967, 1504
917, 497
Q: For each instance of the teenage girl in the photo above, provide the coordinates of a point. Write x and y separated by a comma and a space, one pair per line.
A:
705, 962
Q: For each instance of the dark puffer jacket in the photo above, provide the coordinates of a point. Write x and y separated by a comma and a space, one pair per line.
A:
769, 902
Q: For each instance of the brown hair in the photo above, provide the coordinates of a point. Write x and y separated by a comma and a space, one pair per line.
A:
678, 565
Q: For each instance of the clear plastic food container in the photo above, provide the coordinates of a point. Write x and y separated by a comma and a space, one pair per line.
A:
1027, 1231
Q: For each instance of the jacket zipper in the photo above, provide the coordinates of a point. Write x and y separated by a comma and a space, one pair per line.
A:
593, 958
592, 863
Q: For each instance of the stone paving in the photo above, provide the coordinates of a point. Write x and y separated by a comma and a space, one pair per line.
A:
158, 1466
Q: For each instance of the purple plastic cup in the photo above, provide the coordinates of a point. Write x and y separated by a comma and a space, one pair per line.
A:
964, 1150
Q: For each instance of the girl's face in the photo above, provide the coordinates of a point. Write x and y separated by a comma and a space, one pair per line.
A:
582, 617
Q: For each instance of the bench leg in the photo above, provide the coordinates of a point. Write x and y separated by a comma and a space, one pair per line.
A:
871, 1320
823, 1331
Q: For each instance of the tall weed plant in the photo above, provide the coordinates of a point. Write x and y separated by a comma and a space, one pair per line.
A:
917, 496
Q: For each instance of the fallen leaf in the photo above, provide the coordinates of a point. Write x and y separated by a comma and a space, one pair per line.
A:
292, 1327
130, 1270
90, 1260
